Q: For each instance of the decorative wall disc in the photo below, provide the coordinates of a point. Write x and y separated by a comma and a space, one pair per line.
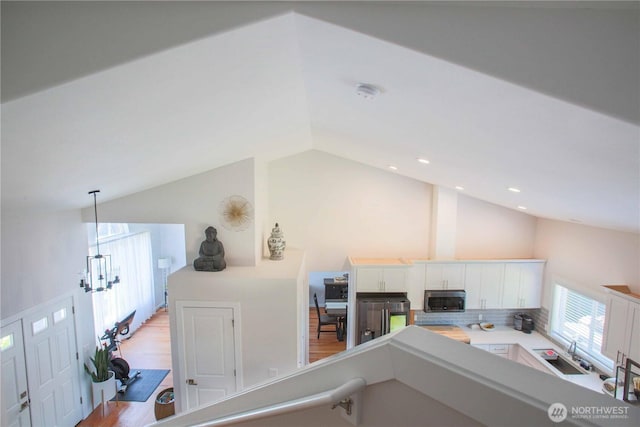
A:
236, 213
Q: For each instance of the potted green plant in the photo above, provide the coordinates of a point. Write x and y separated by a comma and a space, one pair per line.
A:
100, 361
104, 384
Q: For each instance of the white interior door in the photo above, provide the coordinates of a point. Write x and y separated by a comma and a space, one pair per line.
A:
50, 345
208, 352
15, 396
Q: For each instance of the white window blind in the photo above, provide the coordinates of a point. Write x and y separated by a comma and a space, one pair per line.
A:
576, 317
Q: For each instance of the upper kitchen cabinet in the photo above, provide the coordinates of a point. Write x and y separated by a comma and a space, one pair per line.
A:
444, 275
622, 324
490, 284
380, 274
633, 322
522, 284
484, 283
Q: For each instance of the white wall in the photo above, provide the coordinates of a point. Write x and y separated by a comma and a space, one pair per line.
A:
194, 202
486, 231
261, 207
269, 299
587, 257
390, 403
43, 256
334, 208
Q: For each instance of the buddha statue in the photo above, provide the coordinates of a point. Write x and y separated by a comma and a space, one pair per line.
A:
211, 253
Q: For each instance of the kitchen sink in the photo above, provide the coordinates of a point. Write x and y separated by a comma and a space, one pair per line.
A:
564, 366
559, 362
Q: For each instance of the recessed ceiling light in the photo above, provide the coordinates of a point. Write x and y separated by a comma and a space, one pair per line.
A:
425, 161
524, 208
393, 168
367, 91
459, 188
514, 189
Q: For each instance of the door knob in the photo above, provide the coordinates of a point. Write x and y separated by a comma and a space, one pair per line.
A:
24, 405
191, 381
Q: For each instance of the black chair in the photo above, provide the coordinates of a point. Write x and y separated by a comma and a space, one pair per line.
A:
325, 319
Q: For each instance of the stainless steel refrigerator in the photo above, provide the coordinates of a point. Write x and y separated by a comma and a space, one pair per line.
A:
379, 314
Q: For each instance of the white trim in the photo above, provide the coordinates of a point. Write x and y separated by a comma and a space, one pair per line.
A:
581, 289
599, 364
29, 311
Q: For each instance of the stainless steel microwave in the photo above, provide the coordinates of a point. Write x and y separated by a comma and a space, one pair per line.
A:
444, 301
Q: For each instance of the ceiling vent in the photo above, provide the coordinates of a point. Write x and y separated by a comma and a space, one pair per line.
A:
367, 91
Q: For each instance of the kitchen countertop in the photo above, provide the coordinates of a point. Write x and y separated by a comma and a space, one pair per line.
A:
450, 331
534, 340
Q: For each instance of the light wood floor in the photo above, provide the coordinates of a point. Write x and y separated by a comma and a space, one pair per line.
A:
150, 348
328, 343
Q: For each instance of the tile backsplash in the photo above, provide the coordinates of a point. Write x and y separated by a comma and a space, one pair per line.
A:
541, 319
497, 317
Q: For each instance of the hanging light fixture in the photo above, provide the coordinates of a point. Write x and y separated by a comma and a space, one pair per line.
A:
98, 272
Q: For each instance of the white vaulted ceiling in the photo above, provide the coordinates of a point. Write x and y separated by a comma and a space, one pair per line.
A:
286, 84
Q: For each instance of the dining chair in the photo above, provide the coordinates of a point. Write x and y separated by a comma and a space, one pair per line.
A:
325, 319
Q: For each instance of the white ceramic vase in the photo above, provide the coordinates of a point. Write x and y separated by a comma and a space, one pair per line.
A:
276, 243
104, 391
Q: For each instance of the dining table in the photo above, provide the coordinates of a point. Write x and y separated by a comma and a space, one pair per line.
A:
338, 308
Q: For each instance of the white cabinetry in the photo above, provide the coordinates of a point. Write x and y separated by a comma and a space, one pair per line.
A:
516, 353
501, 350
378, 279
522, 356
522, 285
621, 329
490, 284
633, 323
615, 325
483, 284
380, 275
448, 275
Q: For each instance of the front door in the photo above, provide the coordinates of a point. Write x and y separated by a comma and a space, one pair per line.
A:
52, 364
208, 353
15, 396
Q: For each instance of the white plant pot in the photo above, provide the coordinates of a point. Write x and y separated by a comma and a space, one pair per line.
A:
104, 391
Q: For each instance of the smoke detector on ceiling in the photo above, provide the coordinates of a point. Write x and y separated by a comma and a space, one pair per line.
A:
367, 91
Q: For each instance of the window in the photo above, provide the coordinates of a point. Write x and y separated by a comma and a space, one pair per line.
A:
109, 229
131, 255
6, 342
576, 317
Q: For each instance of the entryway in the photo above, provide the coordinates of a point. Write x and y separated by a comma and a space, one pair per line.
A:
40, 370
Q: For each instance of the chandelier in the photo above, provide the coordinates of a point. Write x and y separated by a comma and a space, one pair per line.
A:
98, 273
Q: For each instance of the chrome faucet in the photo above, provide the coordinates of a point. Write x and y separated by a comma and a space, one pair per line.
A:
572, 349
